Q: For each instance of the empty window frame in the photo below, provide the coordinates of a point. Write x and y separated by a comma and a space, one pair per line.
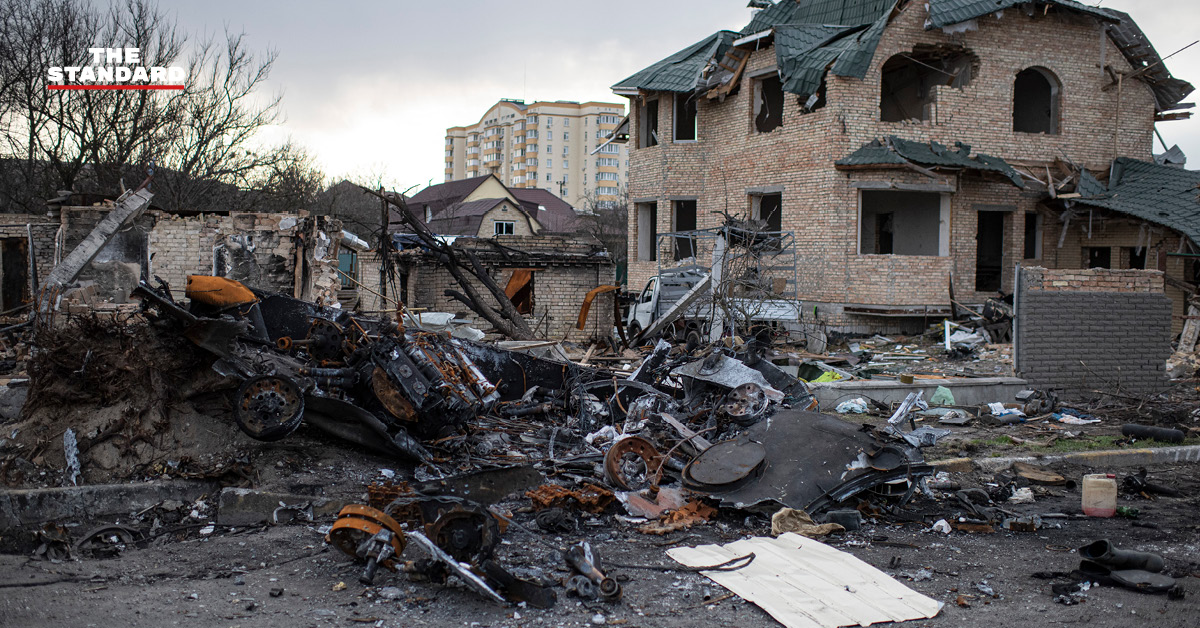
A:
768, 103
503, 227
1036, 93
683, 218
647, 226
769, 209
1098, 256
648, 124
685, 118
1033, 235
908, 80
903, 223
1135, 257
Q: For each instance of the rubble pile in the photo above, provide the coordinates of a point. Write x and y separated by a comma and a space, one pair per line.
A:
484, 444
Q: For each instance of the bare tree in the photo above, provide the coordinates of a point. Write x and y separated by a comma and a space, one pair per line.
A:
200, 139
608, 222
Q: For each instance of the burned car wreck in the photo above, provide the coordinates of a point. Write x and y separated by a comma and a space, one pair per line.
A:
718, 423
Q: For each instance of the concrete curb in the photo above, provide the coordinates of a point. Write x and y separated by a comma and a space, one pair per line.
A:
1106, 458
23, 507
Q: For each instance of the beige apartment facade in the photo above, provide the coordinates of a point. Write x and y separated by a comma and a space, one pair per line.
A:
547, 145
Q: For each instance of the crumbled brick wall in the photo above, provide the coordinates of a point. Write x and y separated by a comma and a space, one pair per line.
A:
821, 206
1097, 329
259, 250
565, 270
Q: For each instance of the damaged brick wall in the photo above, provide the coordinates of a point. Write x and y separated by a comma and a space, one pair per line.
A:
260, 250
1093, 329
730, 160
564, 270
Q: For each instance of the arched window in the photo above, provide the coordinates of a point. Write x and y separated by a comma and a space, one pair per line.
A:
1036, 92
908, 80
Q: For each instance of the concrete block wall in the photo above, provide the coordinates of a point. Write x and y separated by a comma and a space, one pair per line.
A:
819, 203
1095, 329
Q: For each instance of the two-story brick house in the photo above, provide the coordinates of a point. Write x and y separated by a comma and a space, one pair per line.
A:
907, 145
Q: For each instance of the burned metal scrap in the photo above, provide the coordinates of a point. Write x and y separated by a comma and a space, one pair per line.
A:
367, 381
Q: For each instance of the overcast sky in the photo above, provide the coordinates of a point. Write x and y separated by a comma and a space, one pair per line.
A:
370, 87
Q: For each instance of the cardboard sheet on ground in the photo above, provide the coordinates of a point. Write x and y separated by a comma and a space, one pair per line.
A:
804, 583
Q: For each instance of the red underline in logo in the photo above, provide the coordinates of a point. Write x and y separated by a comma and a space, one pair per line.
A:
114, 87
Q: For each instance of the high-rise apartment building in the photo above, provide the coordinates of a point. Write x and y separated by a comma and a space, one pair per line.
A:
546, 145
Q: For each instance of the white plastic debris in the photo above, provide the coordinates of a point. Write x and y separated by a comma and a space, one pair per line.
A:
1022, 496
1070, 419
853, 406
206, 530
71, 451
941, 526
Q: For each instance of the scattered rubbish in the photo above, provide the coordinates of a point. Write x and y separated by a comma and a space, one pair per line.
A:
1073, 420
1099, 495
71, 453
1139, 484
1103, 552
583, 561
591, 498
798, 522
1031, 523
941, 526
851, 520
1022, 496
1038, 475
808, 583
693, 513
853, 406
1163, 434
942, 397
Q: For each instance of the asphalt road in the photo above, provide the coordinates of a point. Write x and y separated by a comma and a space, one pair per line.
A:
226, 578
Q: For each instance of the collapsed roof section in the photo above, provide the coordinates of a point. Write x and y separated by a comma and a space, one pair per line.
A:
894, 151
943, 13
1160, 194
679, 72
813, 37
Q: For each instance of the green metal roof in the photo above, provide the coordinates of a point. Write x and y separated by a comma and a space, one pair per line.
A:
946, 12
1164, 195
680, 71
894, 150
831, 12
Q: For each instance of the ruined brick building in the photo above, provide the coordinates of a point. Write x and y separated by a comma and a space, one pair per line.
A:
911, 145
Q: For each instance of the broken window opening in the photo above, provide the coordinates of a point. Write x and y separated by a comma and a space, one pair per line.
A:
647, 217
684, 219
14, 273
901, 223
1135, 257
520, 290
768, 103
686, 127
503, 227
769, 209
1098, 256
908, 81
1035, 101
348, 265
989, 251
648, 124
1033, 235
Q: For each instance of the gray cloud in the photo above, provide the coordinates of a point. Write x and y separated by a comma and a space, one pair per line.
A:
370, 87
